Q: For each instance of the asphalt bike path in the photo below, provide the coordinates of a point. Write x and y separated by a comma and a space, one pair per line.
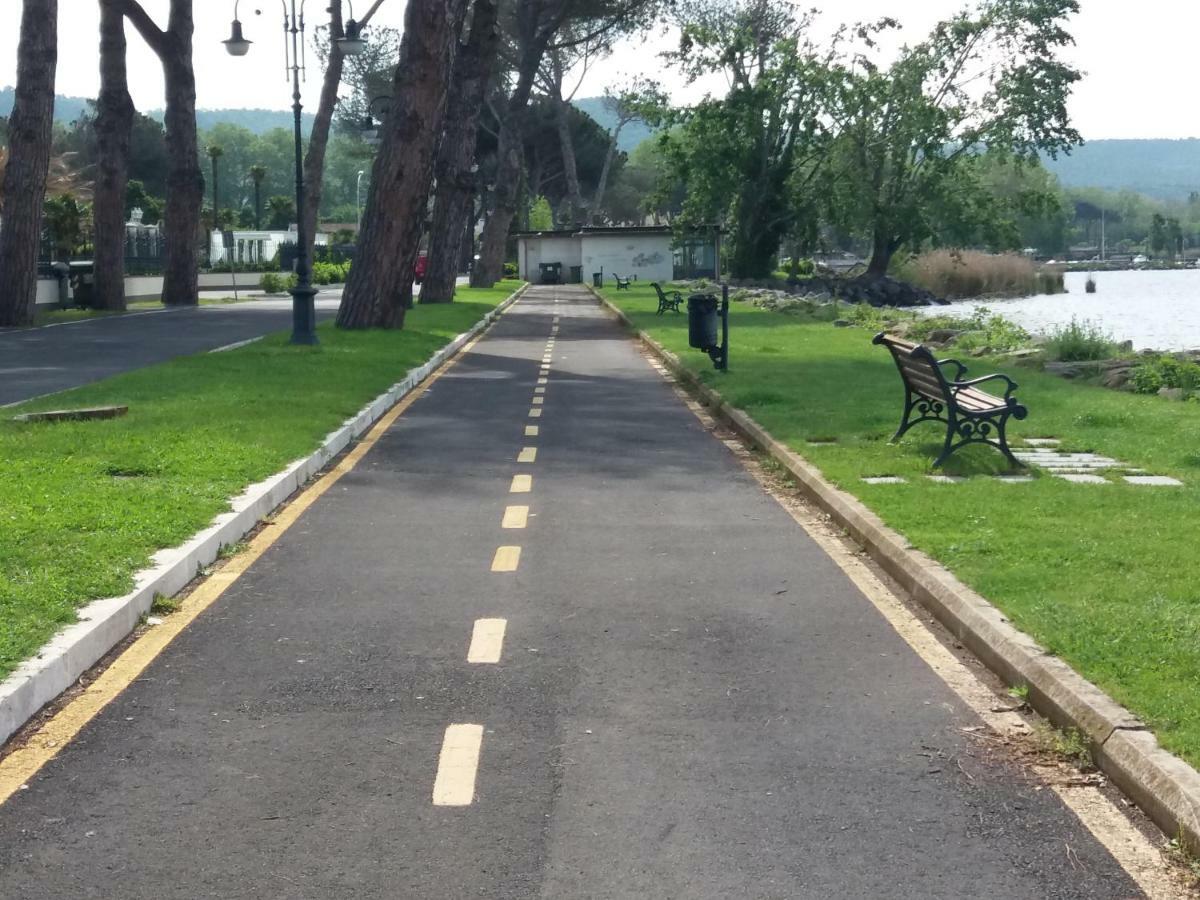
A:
549, 639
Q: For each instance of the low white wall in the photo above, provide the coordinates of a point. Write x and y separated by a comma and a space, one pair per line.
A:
47, 292
149, 287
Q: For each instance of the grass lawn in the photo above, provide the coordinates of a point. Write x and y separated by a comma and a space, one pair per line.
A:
1105, 576
86, 504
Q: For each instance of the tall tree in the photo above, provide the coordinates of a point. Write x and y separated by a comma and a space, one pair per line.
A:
318, 140
379, 289
739, 154
185, 183
633, 103
989, 80
533, 27
257, 174
454, 203
30, 129
114, 134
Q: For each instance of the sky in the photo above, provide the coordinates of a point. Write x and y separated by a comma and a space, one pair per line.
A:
1137, 59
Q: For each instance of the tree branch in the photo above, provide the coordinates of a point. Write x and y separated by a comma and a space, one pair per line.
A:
151, 33
362, 23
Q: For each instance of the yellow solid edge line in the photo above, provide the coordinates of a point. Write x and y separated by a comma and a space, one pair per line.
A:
521, 484
515, 517
487, 641
531, 431
22, 764
527, 455
506, 559
458, 764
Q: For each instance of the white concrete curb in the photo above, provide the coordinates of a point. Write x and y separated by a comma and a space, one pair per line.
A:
1165, 787
105, 623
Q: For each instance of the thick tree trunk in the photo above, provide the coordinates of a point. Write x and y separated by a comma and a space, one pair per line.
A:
29, 134
185, 183
489, 268
883, 248
379, 289
455, 180
318, 140
114, 123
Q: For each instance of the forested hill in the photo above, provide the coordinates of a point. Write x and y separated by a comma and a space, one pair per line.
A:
68, 109
631, 135
1165, 169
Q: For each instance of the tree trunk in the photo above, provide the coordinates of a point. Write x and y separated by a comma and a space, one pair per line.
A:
882, 250
29, 134
258, 204
455, 180
379, 289
318, 140
489, 268
606, 169
114, 124
185, 183
576, 210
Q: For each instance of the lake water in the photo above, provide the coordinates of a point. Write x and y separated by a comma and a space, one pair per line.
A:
1158, 310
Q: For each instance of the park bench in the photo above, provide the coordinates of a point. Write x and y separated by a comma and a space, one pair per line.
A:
622, 283
971, 416
666, 301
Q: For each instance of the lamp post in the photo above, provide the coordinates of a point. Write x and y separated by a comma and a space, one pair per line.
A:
370, 128
304, 315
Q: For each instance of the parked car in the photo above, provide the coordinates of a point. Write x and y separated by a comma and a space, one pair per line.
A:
421, 266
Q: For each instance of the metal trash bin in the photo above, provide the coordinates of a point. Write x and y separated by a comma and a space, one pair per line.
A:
83, 283
576, 274
703, 322
598, 279
551, 272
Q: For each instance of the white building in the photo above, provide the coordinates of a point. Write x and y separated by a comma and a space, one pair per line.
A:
647, 253
255, 246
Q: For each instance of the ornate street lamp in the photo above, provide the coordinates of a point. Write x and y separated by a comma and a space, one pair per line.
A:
370, 128
304, 314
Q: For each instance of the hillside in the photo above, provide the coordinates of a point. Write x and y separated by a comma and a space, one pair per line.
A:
631, 135
1164, 169
68, 109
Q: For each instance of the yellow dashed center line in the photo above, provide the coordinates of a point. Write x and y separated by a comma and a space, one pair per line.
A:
539, 390
543, 381
535, 413
527, 455
457, 766
487, 641
515, 517
531, 431
506, 559
539, 400
521, 484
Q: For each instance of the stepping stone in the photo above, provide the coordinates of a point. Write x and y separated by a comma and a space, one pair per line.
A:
1156, 480
1014, 479
1042, 442
945, 479
1081, 479
885, 479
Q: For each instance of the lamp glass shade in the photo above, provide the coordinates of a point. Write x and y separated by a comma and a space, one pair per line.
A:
352, 43
237, 45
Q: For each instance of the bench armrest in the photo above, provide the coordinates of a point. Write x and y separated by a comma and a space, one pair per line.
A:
1010, 385
960, 369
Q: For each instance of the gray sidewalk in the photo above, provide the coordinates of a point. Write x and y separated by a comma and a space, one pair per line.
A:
692, 701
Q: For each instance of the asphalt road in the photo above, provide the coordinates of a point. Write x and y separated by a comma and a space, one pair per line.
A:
691, 701
37, 361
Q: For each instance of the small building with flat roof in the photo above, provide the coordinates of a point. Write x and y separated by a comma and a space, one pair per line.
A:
645, 253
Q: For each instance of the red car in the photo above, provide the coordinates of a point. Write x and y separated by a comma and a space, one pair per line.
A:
421, 266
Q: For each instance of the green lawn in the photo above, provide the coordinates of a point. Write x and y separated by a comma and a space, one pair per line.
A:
86, 504
1105, 576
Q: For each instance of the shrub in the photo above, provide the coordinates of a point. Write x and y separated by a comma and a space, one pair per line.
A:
271, 282
1165, 372
510, 270
982, 329
1080, 342
330, 272
964, 274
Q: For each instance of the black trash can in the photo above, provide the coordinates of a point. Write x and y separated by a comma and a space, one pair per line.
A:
576, 274
83, 283
598, 279
703, 322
